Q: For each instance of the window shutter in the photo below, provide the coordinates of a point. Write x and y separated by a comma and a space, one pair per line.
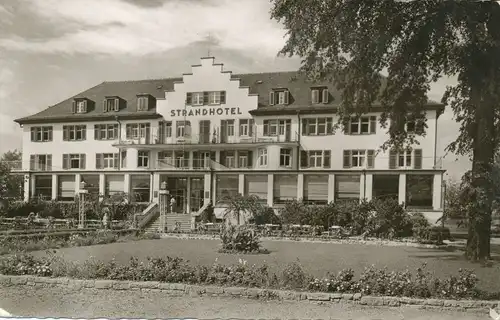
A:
85, 107
223, 97
104, 106
223, 158
65, 161
84, 132
373, 124
393, 155
329, 125
82, 161
326, 158
97, 132
49, 162
325, 96
32, 162
206, 97
304, 127
303, 159
371, 159
65, 133
266, 128
250, 127
347, 159
116, 160
250, 158
73, 107
189, 98
271, 98
33, 134
315, 96
287, 97
115, 132
418, 159
117, 104
98, 160
128, 129
420, 127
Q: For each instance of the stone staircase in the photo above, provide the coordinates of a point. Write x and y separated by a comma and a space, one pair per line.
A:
183, 220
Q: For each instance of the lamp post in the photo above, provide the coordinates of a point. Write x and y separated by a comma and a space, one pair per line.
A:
163, 205
81, 205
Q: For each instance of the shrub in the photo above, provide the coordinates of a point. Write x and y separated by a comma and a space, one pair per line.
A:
420, 226
293, 276
239, 239
293, 211
391, 220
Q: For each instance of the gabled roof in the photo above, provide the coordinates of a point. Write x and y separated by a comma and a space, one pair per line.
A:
258, 83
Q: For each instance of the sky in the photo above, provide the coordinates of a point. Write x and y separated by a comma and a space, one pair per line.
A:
53, 49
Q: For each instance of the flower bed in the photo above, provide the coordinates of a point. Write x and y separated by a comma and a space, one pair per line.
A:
74, 238
373, 281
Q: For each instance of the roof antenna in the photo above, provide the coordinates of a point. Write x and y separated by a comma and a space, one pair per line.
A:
209, 38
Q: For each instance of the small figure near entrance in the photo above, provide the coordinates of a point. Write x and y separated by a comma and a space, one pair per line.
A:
105, 218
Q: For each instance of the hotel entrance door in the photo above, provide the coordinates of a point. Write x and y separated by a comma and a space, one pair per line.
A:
178, 191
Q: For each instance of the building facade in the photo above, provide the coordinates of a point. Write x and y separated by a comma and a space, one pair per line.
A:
211, 134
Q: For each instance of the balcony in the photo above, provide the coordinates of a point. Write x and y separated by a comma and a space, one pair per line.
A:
14, 166
197, 164
212, 141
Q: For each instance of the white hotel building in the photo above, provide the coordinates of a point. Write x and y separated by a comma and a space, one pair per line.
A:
211, 133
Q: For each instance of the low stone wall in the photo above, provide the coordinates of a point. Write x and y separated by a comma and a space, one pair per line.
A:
373, 242
178, 289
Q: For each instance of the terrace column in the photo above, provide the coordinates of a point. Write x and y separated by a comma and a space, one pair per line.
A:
402, 188
126, 183
54, 187
437, 191
155, 186
27, 187
369, 187
32, 185
207, 186
270, 190
241, 184
132, 155
188, 195
362, 187
102, 186
213, 186
331, 188
300, 186
78, 179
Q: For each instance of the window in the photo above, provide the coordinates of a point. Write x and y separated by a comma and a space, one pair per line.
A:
285, 157
41, 162
271, 127
106, 131
214, 97
142, 103
317, 126
244, 159
315, 159
359, 159
405, 159
347, 188
197, 98
73, 161
246, 127
279, 97
419, 190
143, 159
182, 159
319, 95
182, 128
74, 133
111, 104
363, 125
137, 130
166, 159
168, 129
202, 159
415, 126
227, 128
230, 159
41, 134
79, 106
43, 187
106, 160
226, 187
262, 157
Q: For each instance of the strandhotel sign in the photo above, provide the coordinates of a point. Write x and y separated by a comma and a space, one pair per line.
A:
204, 111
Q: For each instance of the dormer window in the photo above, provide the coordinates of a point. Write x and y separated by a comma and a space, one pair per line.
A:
142, 103
205, 98
80, 106
279, 96
197, 98
319, 95
111, 104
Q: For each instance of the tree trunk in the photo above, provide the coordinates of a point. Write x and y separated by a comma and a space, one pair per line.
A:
480, 209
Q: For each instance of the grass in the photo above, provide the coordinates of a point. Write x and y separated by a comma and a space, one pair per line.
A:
316, 258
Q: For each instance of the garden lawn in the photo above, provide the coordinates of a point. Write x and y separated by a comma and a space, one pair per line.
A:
317, 258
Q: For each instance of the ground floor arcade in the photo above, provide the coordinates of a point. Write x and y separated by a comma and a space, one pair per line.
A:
191, 190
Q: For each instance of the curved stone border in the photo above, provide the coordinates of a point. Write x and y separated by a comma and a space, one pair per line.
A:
179, 289
369, 242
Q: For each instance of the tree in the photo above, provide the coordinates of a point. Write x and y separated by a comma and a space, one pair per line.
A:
10, 184
351, 42
239, 203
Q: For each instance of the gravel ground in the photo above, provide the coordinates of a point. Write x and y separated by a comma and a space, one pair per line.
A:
59, 302
317, 258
